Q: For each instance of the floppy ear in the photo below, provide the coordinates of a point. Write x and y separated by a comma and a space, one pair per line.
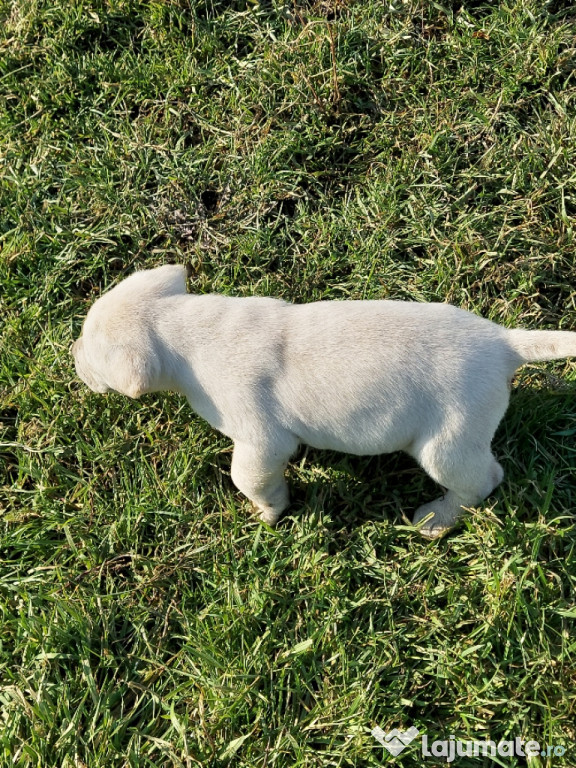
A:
169, 279
132, 372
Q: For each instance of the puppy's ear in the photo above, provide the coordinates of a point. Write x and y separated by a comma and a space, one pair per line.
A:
170, 279
132, 372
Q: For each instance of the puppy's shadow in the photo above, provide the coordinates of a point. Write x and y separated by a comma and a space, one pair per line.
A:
352, 490
538, 431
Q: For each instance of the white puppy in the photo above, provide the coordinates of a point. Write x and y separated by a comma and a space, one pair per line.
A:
365, 377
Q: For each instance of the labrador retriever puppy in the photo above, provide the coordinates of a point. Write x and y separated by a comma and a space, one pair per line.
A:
364, 377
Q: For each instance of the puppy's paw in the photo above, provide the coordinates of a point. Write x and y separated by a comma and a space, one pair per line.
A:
268, 516
437, 518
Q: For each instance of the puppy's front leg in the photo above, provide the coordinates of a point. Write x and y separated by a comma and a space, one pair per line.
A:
258, 471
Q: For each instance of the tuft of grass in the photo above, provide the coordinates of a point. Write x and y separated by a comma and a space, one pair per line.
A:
311, 149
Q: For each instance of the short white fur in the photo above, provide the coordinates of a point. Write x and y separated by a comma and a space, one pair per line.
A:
364, 377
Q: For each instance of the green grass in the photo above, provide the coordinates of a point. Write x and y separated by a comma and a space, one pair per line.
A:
331, 149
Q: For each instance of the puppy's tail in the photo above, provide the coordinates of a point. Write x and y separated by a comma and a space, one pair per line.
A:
535, 346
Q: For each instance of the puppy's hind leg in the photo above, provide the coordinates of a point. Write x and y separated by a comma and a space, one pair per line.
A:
467, 471
258, 471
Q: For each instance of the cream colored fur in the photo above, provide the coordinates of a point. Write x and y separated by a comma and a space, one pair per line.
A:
365, 377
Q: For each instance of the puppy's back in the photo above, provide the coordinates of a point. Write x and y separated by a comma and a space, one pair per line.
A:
372, 374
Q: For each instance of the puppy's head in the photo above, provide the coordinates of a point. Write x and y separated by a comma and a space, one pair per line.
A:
118, 349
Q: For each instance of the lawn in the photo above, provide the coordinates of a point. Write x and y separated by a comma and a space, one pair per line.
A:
308, 150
